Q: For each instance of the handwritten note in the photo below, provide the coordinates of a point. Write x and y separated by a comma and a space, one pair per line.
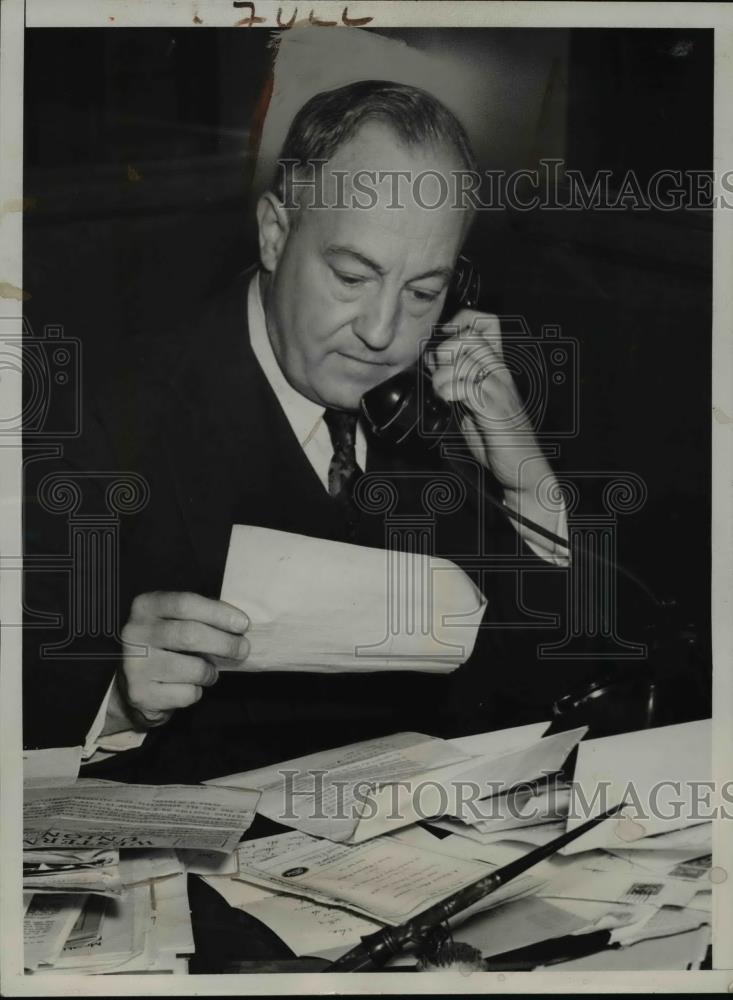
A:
384, 879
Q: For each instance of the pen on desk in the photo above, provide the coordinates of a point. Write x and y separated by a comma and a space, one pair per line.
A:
550, 952
376, 949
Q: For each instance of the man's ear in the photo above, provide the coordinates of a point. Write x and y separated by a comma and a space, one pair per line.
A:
274, 225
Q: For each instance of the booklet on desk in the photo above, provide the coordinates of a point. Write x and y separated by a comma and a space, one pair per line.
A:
363, 790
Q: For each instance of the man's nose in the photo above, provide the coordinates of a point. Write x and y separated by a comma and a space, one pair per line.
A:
377, 321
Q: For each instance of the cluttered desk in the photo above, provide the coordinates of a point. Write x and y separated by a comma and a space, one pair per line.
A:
508, 850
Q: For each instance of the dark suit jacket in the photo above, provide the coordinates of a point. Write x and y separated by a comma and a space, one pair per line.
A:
215, 448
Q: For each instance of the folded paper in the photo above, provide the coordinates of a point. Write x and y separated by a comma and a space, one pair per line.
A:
318, 605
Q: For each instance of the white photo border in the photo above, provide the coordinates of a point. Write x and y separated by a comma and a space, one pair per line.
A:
15, 16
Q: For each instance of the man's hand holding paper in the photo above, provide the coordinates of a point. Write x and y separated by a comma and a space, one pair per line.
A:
367, 609
173, 644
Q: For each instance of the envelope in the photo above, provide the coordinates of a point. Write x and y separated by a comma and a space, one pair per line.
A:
661, 773
317, 605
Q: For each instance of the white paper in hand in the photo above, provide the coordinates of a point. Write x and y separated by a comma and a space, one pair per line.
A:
317, 605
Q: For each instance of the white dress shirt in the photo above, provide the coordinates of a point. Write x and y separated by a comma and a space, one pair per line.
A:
306, 419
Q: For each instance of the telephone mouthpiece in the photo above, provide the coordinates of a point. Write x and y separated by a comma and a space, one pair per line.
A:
405, 406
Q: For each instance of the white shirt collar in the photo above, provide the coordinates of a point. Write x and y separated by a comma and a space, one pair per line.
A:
303, 414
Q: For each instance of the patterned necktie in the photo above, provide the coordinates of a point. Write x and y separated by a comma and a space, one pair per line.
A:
343, 471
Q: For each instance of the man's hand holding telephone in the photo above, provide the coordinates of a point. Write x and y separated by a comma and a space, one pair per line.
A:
468, 368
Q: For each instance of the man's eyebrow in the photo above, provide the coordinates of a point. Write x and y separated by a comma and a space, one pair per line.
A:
436, 272
351, 252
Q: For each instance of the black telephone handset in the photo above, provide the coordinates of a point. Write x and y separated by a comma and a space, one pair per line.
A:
404, 409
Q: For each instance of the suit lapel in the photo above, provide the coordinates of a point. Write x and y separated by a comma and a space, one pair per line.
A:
233, 455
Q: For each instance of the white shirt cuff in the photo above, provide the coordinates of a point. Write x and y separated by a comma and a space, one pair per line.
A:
128, 739
549, 551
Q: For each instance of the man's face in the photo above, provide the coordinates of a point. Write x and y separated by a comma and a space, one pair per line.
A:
353, 293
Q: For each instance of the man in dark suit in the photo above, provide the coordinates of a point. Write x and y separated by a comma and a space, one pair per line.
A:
256, 424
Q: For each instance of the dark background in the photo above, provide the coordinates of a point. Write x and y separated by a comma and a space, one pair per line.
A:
139, 154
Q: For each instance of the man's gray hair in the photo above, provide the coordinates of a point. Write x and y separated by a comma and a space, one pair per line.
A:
332, 118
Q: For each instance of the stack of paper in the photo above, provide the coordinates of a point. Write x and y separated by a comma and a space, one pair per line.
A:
47, 924
645, 874
104, 891
356, 859
363, 790
321, 897
146, 927
331, 794
502, 816
586, 892
69, 871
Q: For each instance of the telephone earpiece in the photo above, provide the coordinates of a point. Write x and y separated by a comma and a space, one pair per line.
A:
404, 409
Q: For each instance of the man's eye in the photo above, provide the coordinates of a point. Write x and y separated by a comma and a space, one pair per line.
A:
350, 280
421, 295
